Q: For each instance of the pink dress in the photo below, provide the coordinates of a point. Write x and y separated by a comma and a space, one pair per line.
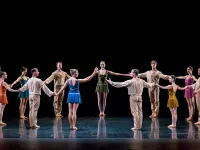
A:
189, 92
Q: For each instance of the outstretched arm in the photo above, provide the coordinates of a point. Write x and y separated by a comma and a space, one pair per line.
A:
117, 74
89, 77
181, 88
62, 88
164, 87
49, 79
142, 75
8, 88
120, 84
181, 77
194, 78
46, 90
163, 76
15, 82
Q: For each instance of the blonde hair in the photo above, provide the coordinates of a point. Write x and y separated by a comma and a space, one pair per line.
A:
73, 71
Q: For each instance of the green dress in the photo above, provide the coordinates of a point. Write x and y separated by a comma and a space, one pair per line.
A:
102, 84
24, 94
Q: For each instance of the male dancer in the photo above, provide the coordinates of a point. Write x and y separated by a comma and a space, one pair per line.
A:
59, 78
153, 76
196, 87
35, 85
135, 88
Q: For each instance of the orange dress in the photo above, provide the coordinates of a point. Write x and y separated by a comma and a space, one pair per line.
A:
172, 100
3, 97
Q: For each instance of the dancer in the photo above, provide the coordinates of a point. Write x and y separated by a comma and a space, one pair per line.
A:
74, 97
196, 88
59, 78
3, 97
189, 92
35, 85
22, 95
172, 103
135, 88
102, 86
153, 76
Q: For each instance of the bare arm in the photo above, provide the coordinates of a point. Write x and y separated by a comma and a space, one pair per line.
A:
8, 88
89, 77
181, 88
67, 76
15, 82
164, 87
49, 79
24, 88
181, 77
120, 84
142, 75
62, 88
194, 78
117, 74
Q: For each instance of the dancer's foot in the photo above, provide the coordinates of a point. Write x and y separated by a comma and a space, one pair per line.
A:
59, 115
21, 117
135, 128
2, 123
74, 128
102, 114
197, 123
172, 126
36, 126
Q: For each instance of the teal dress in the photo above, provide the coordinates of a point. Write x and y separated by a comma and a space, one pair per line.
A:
24, 94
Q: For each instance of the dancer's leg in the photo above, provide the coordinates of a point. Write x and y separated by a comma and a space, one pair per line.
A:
74, 116
70, 108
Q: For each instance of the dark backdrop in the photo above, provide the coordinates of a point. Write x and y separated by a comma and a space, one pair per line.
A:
83, 42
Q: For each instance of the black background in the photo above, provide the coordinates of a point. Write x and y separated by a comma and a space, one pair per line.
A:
81, 40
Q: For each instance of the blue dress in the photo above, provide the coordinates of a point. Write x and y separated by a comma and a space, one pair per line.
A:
74, 93
24, 94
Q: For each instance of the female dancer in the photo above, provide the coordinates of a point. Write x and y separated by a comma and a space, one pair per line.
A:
102, 86
22, 95
74, 98
3, 98
172, 103
189, 92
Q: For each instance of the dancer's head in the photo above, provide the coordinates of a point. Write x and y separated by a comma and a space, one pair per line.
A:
189, 70
134, 72
172, 78
59, 65
3, 75
35, 72
199, 71
153, 64
102, 64
74, 73
23, 70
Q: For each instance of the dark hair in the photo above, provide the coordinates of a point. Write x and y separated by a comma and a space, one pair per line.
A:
33, 70
73, 71
191, 68
173, 77
2, 73
59, 62
23, 69
136, 71
154, 62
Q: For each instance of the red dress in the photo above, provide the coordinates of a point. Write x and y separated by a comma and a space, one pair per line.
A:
3, 97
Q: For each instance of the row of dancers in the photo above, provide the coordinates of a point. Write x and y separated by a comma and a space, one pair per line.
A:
31, 89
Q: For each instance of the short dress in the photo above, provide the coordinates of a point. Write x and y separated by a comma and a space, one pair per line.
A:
24, 94
189, 92
3, 96
74, 93
102, 84
172, 100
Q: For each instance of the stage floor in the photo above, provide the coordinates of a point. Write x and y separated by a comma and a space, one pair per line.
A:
99, 133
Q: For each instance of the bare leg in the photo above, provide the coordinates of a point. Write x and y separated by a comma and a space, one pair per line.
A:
100, 101
104, 103
193, 106
191, 110
198, 109
21, 105
74, 116
25, 104
188, 108
70, 108
172, 116
2, 106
